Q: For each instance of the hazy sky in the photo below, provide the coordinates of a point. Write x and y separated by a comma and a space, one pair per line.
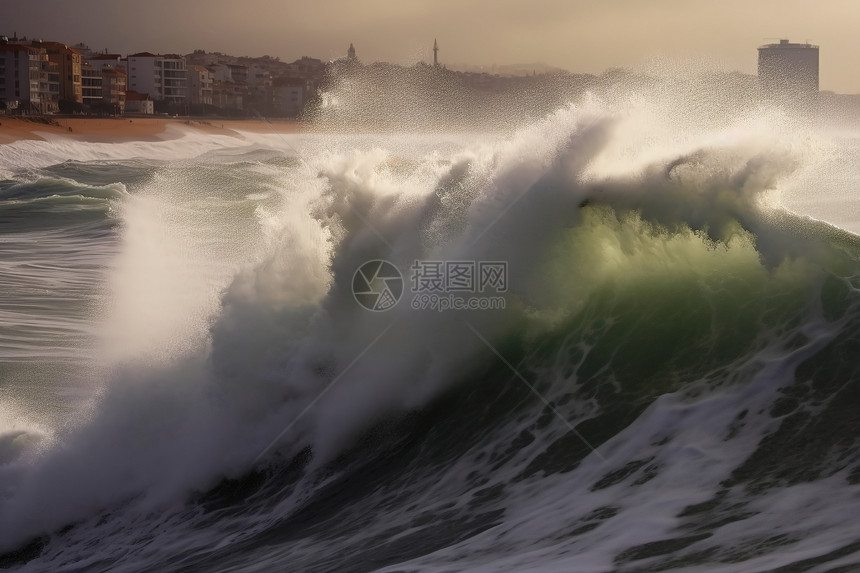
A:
578, 35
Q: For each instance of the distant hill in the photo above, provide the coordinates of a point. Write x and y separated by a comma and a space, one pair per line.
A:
508, 70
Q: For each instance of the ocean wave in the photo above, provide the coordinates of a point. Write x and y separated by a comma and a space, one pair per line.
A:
667, 332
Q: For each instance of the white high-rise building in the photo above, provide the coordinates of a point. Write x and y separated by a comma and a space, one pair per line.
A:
788, 75
163, 77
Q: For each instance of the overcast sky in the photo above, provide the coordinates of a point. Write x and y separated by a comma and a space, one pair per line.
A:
577, 35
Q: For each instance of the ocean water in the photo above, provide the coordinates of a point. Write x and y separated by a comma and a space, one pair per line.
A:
189, 383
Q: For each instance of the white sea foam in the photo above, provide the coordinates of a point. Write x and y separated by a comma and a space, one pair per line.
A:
231, 314
177, 143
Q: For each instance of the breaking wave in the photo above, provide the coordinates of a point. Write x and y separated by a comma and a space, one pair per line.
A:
669, 385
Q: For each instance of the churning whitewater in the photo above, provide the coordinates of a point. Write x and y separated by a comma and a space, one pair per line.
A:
190, 384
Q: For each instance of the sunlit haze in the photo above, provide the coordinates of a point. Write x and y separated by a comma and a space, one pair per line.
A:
577, 35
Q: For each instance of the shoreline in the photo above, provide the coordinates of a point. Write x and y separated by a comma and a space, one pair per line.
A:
100, 129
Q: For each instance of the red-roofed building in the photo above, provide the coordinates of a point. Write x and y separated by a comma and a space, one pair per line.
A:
136, 102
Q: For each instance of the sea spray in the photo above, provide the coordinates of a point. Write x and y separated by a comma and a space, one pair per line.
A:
657, 301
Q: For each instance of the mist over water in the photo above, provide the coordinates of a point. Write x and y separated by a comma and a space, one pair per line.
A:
189, 383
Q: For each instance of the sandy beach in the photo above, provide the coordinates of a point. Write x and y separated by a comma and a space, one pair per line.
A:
133, 129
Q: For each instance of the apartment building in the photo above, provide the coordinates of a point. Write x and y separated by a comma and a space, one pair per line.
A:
15, 86
91, 85
102, 61
258, 76
222, 73
114, 85
69, 62
49, 82
200, 82
788, 75
29, 82
228, 96
260, 98
163, 77
104, 82
290, 95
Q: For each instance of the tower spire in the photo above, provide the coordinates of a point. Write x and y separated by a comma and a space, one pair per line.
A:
435, 53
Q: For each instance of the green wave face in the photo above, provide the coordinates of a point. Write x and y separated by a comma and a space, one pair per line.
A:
676, 358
